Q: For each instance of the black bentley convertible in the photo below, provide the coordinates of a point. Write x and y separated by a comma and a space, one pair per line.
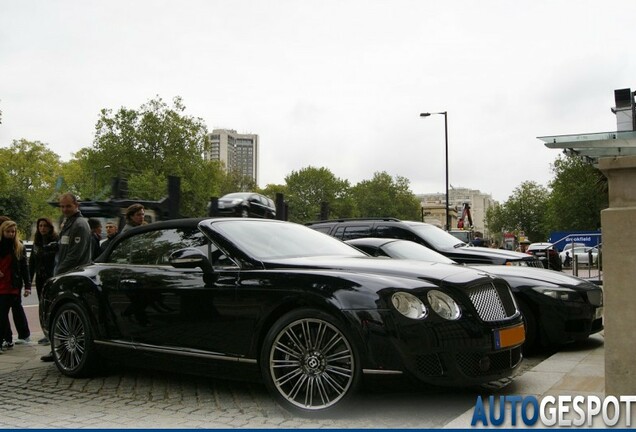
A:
277, 301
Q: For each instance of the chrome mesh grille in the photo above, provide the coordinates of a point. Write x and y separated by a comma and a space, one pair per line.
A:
486, 300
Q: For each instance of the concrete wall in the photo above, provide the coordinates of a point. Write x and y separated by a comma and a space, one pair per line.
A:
619, 279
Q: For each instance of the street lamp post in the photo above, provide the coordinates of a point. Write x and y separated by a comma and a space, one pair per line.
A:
445, 113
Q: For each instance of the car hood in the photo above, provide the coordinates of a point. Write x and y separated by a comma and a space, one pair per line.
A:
476, 254
502, 253
429, 271
532, 276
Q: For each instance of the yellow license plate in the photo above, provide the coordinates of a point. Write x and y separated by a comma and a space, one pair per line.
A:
510, 336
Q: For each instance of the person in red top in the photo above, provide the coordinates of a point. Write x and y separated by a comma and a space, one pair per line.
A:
14, 272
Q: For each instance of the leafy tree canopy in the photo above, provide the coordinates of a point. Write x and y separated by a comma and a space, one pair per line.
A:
309, 187
29, 173
16, 206
579, 193
235, 181
525, 210
383, 196
145, 146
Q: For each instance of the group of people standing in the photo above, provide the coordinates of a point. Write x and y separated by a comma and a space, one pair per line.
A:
77, 243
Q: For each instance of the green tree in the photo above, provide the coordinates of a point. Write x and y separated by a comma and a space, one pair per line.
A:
146, 146
579, 193
309, 187
384, 196
272, 189
30, 171
80, 176
235, 181
495, 220
16, 206
525, 210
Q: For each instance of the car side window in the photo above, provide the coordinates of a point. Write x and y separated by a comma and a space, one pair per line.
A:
323, 229
155, 247
370, 250
349, 232
387, 231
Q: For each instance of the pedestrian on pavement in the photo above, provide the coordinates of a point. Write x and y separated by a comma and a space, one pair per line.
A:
111, 232
134, 216
19, 317
75, 242
42, 260
14, 274
8, 332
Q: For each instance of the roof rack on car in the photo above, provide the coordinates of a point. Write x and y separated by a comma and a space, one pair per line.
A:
392, 219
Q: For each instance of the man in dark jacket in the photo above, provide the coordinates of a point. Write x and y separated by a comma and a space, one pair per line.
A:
75, 242
75, 237
111, 232
96, 237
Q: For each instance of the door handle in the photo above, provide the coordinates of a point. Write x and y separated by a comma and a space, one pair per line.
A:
129, 281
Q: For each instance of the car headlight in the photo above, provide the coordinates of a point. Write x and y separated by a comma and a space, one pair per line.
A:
559, 293
409, 305
443, 305
518, 263
237, 201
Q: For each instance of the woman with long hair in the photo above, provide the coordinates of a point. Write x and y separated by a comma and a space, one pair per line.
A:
42, 260
14, 274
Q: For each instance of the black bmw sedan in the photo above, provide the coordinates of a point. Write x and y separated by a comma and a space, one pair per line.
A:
558, 308
275, 301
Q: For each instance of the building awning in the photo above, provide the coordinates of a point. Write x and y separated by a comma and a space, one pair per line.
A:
594, 145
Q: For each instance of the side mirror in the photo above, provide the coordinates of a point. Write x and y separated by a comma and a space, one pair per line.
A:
190, 258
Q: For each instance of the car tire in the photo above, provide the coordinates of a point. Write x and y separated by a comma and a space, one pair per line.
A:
531, 343
309, 362
72, 342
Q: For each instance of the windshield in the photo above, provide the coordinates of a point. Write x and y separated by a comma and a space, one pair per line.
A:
411, 250
437, 237
266, 240
238, 195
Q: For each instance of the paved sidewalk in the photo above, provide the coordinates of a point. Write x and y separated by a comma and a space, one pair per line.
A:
23, 357
577, 369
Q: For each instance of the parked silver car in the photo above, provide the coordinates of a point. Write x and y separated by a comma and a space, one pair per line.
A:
584, 254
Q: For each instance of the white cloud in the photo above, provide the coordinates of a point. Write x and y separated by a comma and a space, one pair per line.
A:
329, 83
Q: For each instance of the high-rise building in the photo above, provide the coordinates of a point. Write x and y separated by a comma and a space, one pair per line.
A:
238, 152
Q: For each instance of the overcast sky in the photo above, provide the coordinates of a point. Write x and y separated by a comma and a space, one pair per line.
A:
337, 84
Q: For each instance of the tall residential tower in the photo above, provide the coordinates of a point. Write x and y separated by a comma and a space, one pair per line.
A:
238, 152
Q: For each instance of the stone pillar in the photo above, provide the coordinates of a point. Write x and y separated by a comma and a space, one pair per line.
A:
619, 275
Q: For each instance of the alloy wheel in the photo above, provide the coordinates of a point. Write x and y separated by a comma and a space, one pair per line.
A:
311, 364
69, 342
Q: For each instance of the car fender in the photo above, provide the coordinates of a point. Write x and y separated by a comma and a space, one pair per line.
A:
70, 292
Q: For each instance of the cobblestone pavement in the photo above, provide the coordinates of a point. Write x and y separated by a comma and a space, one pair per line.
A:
36, 395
